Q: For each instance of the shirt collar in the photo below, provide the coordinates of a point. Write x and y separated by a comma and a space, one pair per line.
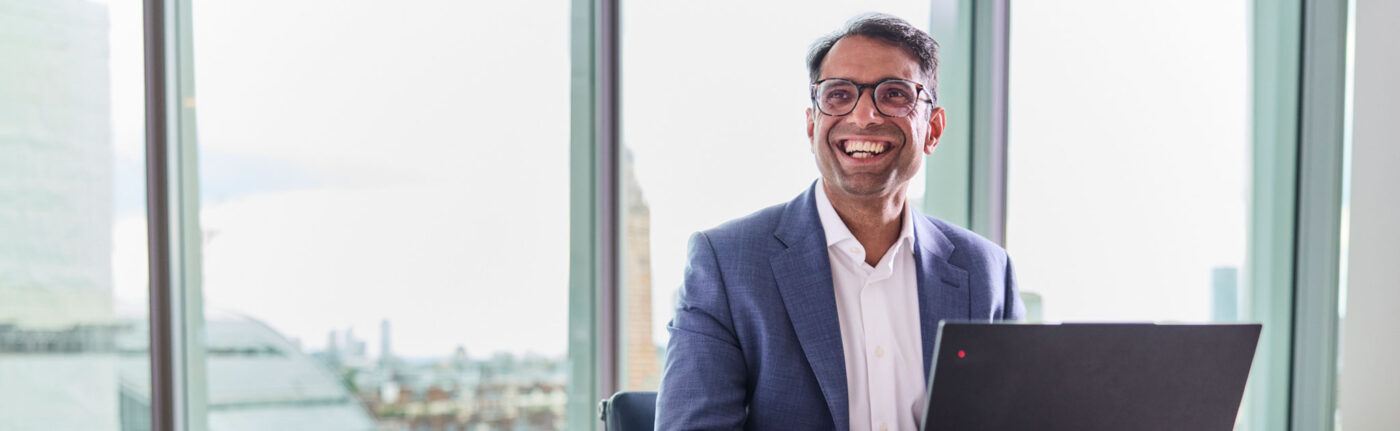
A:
836, 230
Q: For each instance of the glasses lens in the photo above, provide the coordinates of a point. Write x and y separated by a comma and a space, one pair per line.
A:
896, 98
836, 97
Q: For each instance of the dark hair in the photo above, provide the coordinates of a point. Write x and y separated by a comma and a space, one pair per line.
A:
888, 28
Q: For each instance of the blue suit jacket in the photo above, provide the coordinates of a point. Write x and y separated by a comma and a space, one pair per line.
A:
755, 342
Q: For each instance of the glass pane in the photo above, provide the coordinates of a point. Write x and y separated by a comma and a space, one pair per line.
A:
73, 315
1162, 172
694, 155
1131, 177
1117, 148
384, 200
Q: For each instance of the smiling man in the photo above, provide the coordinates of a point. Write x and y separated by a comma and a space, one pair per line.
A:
821, 313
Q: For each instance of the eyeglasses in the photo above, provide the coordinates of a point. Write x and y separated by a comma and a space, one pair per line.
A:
892, 97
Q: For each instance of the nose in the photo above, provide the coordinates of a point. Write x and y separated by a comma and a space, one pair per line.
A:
865, 113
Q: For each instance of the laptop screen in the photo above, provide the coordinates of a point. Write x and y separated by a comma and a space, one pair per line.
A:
1002, 376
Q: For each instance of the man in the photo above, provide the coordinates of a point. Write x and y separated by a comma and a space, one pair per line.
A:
821, 313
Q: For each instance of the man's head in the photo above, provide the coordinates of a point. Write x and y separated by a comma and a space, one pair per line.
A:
864, 147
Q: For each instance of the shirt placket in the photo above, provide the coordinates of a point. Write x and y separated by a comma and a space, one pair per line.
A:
880, 347
853, 263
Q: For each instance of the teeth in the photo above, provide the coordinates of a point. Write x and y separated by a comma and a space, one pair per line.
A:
853, 147
862, 155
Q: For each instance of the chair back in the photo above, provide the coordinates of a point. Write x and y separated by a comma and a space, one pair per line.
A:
629, 411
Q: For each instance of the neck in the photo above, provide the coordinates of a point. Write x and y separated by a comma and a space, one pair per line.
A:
874, 220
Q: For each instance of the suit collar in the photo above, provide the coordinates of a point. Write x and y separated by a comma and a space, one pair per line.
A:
837, 231
930, 238
799, 219
943, 291
803, 275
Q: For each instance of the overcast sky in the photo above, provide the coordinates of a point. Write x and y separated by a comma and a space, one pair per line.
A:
364, 160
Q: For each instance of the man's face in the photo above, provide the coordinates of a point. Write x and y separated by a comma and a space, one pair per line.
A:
894, 146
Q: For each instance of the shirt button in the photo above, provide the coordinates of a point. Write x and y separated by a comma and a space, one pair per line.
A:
855, 249
879, 352
884, 427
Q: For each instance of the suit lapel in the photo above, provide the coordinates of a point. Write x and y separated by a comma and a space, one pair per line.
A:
803, 274
942, 285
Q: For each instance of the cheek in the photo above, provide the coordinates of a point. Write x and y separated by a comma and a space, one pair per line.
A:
819, 131
916, 136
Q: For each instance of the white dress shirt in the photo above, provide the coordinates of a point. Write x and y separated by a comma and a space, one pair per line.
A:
878, 308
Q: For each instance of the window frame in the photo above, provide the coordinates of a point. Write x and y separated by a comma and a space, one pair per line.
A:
1298, 129
178, 398
1321, 152
1298, 79
594, 209
966, 175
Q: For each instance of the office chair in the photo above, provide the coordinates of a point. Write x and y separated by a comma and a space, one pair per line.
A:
628, 411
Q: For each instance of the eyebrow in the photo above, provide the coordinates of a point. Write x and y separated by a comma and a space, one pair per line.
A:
886, 78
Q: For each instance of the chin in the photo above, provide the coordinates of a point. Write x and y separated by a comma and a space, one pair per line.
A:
863, 188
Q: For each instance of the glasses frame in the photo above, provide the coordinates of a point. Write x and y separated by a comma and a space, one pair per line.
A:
919, 94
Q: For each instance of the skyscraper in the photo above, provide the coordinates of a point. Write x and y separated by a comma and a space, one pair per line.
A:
55, 165
1225, 294
386, 353
640, 361
332, 355
57, 321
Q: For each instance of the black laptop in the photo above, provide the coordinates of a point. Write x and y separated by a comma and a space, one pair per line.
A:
1087, 377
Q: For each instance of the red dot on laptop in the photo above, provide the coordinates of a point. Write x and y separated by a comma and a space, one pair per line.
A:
962, 354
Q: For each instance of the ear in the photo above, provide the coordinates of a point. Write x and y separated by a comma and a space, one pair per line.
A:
936, 122
810, 128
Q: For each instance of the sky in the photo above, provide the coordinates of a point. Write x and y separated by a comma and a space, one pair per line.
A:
1129, 170
363, 162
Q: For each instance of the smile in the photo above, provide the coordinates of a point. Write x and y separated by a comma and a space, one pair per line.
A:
862, 149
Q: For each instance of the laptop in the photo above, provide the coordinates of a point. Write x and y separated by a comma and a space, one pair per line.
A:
1086, 377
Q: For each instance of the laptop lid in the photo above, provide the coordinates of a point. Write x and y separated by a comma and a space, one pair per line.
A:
1084, 377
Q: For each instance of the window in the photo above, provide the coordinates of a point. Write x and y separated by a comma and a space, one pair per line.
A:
1144, 179
708, 112
384, 199
1143, 136
379, 197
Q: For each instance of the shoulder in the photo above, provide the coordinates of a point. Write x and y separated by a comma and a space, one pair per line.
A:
990, 278
964, 240
754, 228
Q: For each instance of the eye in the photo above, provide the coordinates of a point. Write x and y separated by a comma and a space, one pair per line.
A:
895, 94
837, 95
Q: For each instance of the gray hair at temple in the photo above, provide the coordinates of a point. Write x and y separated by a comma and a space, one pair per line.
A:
887, 28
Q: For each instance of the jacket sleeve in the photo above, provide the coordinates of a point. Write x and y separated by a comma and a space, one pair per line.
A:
703, 382
1012, 308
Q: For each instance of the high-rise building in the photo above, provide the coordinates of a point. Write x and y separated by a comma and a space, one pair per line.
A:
56, 163
332, 352
1225, 294
386, 353
57, 321
640, 362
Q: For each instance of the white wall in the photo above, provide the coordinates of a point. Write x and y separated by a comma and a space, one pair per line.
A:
1370, 381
